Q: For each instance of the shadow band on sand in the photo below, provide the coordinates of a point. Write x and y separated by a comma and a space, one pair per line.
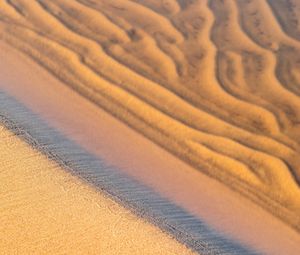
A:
138, 198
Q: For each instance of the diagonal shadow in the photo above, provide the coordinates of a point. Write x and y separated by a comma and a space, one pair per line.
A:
140, 199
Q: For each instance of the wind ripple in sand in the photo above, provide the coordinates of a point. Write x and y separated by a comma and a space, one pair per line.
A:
206, 80
136, 197
45, 210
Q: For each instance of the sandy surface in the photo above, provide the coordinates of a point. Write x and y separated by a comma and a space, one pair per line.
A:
44, 210
202, 196
216, 83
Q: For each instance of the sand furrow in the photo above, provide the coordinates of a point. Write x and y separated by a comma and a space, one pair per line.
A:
196, 77
15, 6
145, 44
259, 65
144, 18
172, 145
209, 85
160, 93
185, 4
146, 47
166, 8
287, 13
260, 24
99, 92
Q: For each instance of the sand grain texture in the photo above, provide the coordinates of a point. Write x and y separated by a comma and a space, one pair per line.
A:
206, 80
44, 210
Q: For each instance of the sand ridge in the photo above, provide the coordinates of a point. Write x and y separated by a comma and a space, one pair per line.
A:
86, 124
203, 79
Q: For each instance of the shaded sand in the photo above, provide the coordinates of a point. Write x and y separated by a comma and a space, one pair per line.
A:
44, 210
216, 83
86, 124
138, 198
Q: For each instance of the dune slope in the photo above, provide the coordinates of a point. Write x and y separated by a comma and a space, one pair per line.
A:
214, 82
45, 210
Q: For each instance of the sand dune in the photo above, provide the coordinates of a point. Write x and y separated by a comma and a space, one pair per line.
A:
44, 210
26, 85
214, 82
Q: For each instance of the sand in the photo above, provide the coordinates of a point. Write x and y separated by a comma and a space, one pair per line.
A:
44, 210
206, 80
87, 125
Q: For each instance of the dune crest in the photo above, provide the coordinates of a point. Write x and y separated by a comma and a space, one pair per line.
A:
205, 80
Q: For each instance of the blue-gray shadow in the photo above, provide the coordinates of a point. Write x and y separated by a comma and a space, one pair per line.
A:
137, 197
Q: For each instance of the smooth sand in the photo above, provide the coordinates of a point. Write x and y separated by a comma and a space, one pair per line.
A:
87, 125
206, 80
44, 210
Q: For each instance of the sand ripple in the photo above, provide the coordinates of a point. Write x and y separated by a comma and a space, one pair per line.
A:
216, 83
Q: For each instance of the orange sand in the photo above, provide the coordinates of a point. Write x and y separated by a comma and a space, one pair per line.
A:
214, 82
88, 125
44, 210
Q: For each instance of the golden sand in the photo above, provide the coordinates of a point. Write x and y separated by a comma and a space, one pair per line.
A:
87, 125
44, 210
215, 82
206, 80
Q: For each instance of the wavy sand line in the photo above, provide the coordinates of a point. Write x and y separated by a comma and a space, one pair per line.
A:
247, 137
88, 126
138, 198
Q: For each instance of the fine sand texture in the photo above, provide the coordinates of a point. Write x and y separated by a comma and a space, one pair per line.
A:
29, 94
45, 210
216, 83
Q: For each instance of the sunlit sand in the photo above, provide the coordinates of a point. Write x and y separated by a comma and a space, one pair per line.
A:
44, 210
86, 124
215, 83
